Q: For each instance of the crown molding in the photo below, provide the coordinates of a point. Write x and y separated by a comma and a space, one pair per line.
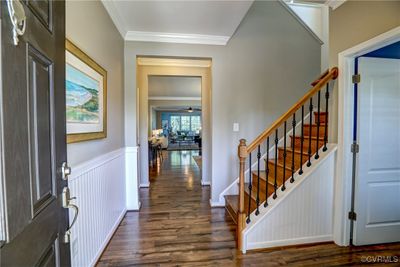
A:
163, 37
335, 3
181, 38
115, 17
174, 62
176, 98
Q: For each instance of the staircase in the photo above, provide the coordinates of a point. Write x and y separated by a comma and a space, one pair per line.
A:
260, 180
280, 154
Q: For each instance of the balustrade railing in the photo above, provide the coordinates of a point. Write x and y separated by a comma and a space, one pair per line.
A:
287, 160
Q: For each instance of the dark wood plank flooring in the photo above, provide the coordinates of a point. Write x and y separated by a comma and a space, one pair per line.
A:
177, 227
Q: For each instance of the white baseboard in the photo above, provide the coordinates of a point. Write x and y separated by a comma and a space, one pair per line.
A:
217, 204
134, 208
144, 185
207, 183
108, 238
289, 242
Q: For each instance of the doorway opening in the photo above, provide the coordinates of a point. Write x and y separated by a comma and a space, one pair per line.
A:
174, 99
355, 129
175, 122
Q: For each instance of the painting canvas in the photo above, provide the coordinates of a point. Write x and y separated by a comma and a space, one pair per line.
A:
86, 96
82, 97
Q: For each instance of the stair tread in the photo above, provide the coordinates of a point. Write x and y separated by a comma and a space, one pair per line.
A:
297, 151
315, 125
308, 137
263, 175
272, 161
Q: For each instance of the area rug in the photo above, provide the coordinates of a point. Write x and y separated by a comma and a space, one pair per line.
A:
198, 160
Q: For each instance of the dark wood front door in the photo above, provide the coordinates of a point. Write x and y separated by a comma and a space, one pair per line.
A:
33, 134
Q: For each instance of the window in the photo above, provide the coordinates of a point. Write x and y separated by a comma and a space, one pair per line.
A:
196, 123
185, 123
175, 123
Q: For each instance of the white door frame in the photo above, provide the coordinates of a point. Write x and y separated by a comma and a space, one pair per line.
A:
342, 201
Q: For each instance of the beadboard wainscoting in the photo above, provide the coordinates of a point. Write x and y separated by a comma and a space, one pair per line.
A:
302, 214
99, 186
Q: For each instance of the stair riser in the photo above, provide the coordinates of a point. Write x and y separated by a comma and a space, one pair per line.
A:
253, 204
289, 156
306, 144
231, 212
262, 184
279, 169
314, 130
323, 117
254, 197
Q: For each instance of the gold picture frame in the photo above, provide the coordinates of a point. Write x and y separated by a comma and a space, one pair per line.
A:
85, 120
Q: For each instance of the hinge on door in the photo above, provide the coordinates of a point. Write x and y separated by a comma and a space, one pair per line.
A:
356, 78
352, 216
355, 148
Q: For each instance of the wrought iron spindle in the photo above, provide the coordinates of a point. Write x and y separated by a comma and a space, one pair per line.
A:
250, 189
294, 134
318, 123
266, 175
258, 179
326, 117
276, 163
301, 140
309, 134
284, 157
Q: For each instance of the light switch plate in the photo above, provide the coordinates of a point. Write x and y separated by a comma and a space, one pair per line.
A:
236, 127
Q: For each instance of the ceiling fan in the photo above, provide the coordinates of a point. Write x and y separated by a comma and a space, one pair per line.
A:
190, 109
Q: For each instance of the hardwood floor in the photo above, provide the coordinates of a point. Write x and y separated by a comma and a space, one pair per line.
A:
177, 227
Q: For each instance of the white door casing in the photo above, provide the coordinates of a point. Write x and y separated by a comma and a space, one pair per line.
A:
377, 194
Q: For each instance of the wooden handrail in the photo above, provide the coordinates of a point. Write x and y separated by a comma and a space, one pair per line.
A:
320, 77
331, 75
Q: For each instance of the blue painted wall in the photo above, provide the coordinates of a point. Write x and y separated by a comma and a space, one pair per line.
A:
390, 51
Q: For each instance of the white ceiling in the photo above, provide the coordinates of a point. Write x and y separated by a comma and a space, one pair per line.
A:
174, 87
198, 21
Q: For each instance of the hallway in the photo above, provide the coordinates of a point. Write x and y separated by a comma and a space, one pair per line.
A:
177, 227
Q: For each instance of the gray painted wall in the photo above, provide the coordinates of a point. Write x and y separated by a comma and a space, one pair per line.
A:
266, 67
351, 24
89, 26
174, 86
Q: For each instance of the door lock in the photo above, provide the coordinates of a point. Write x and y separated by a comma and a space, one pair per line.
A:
66, 203
65, 171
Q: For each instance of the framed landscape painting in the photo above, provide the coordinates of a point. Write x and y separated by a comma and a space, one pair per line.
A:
86, 96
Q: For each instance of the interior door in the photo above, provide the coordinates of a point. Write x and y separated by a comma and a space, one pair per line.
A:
377, 194
33, 133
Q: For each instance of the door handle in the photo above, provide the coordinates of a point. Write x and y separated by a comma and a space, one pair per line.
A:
66, 203
18, 18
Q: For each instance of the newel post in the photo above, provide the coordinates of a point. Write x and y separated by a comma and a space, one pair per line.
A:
241, 220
